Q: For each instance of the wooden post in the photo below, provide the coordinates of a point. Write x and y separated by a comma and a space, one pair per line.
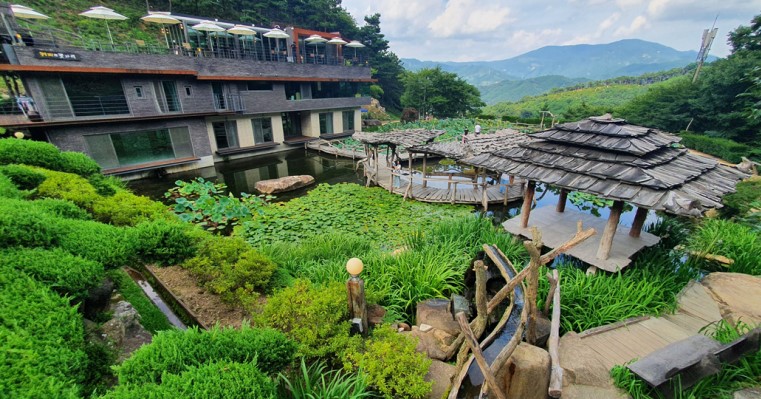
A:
507, 191
449, 184
606, 241
562, 200
639, 221
556, 372
534, 248
454, 192
528, 198
355, 288
479, 356
377, 161
425, 158
550, 294
511, 180
484, 193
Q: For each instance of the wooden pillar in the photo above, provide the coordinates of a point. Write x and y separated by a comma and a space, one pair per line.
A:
534, 248
471, 341
449, 184
528, 198
606, 241
562, 200
639, 221
512, 180
355, 288
484, 193
555, 389
425, 158
377, 161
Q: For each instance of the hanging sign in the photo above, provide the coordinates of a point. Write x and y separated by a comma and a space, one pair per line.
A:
56, 55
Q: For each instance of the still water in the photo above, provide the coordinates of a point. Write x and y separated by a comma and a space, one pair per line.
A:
241, 176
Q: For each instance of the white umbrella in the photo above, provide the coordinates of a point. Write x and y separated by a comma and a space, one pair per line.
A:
355, 44
315, 40
208, 26
242, 30
338, 42
104, 13
160, 17
277, 34
25, 12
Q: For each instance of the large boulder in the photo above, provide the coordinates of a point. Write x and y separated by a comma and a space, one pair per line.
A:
283, 184
738, 296
435, 313
428, 343
124, 330
581, 364
526, 374
440, 374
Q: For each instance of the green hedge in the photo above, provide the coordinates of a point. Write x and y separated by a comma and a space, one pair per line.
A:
60, 208
46, 155
8, 189
42, 340
21, 224
171, 352
63, 272
219, 380
164, 242
725, 149
22, 176
109, 245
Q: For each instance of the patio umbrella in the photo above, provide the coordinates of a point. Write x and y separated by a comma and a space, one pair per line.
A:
338, 42
277, 34
242, 30
208, 26
315, 40
355, 44
25, 12
164, 18
106, 14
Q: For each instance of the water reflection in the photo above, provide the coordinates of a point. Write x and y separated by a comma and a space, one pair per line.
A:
241, 175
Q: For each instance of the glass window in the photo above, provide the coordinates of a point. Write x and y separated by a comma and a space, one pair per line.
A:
226, 134
188, 91
139, 91
166, 95
326, 123
133, 148
91, 97
259, 86
293, 91
262, 130
348, 119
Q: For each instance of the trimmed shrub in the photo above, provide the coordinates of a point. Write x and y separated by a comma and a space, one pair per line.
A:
230, 268
725, 149
29, 152
70, 187
22, 176
108, 245
392, 365
103, 185
61, 208
63, 272
8, 189
42, 340
79, 163
23, 225
163, 242
219, 380
127, 209
171, 352
315, 317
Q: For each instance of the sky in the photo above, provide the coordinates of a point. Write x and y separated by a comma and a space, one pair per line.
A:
487, 30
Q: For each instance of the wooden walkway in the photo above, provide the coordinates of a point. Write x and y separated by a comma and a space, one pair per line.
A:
619, 343
442, 190
558, 227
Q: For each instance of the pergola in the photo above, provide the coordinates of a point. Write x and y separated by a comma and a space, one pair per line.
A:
392, 140
615, 160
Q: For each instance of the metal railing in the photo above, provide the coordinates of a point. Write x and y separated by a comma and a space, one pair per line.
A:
229, 102
80, 106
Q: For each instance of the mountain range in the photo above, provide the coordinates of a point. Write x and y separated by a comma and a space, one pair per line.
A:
549, 67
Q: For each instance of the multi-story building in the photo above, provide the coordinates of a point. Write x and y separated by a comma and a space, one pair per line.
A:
202, 99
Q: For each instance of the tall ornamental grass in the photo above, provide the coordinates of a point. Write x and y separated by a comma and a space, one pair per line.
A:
723, 237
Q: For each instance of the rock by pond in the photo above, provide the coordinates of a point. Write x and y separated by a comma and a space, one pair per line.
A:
284, 184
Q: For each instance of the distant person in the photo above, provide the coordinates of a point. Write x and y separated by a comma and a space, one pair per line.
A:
465, 137
477, 129
397, 168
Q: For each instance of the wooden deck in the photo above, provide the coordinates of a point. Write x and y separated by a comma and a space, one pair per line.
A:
441, 190
557, 228
620, 343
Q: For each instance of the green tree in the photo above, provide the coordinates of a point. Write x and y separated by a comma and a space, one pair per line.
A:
386, 66
439, 93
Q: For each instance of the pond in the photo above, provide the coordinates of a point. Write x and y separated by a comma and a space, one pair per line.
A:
241, 176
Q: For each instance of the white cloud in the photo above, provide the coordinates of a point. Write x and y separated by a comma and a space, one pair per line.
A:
608, 22
468, 17
638, 23
630, 3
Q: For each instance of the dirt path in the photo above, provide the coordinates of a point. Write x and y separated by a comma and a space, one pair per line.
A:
208, 307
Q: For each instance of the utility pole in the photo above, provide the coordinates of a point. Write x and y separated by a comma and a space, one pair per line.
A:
705, 47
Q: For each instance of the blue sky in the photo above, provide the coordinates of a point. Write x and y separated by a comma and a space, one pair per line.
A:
485, 30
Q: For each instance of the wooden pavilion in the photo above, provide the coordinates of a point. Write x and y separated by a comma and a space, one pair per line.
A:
613, 160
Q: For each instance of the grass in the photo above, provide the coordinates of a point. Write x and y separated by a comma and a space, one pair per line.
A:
318, 381
733, 377
150, 316
735, 241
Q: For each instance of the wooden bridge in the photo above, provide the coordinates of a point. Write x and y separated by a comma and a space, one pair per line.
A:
450, 188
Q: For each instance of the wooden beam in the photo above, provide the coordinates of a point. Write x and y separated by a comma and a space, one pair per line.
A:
479, 356
606, 242
639, 221
425, 159
505, 291
534, 248
556, 372
562, 200
550, 294
528, 198
484, 194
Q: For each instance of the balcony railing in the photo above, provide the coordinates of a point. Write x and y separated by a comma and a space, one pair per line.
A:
82, 106
229, 102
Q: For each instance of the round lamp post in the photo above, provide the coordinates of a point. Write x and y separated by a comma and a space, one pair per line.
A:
355, 289
20, 135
